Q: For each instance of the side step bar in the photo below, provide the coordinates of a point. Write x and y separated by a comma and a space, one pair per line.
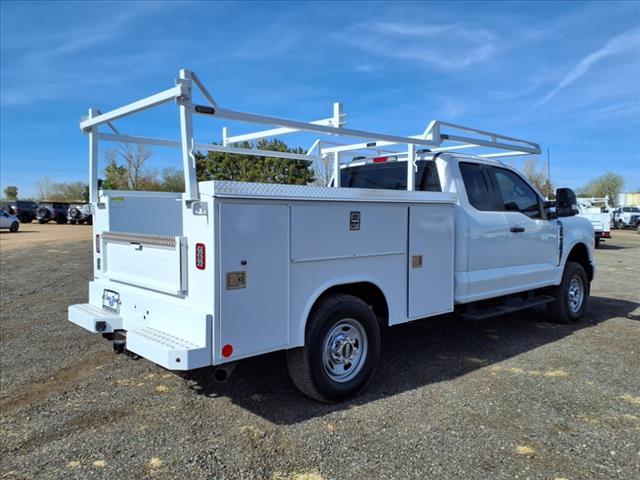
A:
509, 306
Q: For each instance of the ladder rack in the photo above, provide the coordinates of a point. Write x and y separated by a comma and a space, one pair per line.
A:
438, 136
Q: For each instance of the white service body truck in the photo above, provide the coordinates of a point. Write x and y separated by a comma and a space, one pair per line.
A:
596, 210
229, 270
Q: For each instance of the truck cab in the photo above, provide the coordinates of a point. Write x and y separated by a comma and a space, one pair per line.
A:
507, 238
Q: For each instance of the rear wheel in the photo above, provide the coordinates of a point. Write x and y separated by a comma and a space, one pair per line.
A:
597, 242
14, 227
342, 346
570, 296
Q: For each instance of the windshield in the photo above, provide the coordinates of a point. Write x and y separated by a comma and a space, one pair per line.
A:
391, 176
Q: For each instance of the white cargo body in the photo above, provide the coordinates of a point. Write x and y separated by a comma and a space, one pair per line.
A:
229, 270
274, 238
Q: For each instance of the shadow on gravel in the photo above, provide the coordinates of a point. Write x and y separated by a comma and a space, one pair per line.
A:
604, 246
413, 355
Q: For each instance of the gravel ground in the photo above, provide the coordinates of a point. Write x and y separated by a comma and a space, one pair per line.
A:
511, 397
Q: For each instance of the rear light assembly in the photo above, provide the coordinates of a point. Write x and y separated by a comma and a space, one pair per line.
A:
201, 257
391, 158
98, 243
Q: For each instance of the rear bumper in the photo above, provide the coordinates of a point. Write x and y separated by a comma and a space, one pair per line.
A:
94, 319
165, 332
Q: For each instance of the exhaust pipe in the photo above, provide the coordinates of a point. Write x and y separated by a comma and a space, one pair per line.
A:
222, 373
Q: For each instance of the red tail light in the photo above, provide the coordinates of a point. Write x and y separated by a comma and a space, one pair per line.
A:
201, 257
98, 243
388, 158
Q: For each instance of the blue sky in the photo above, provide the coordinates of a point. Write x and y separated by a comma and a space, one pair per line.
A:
566, 75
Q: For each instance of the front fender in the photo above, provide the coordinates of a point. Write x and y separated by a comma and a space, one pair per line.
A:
577, 230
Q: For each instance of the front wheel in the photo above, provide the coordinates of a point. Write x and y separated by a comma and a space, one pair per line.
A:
14, 227
342, 347
570, 296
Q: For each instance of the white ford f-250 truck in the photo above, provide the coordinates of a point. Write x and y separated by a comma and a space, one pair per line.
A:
229, 270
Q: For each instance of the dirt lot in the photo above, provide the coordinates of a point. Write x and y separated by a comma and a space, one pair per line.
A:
50, 234
511, 397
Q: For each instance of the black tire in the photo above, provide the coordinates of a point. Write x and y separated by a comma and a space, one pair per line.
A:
42, 221
14, 227
561, 310
61, 219
597, 242
307, 364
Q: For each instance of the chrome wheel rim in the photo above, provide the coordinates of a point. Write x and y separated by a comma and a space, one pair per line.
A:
344, 350
575, 294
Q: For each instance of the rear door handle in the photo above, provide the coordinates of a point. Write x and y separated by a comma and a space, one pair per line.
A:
517, 229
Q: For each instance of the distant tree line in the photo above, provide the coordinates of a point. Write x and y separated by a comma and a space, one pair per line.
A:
608, 184
126, 169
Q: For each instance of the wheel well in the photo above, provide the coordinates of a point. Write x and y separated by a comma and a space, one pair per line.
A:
580, 254
367, 292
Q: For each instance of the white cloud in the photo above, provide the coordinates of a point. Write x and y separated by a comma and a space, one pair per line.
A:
444, 46
625, 42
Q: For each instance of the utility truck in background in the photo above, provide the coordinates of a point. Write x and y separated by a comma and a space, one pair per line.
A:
410, 228
596, 210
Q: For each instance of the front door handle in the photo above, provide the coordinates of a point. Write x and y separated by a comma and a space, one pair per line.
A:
517, 229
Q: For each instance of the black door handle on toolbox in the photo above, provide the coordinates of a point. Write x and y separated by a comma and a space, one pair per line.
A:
517, 229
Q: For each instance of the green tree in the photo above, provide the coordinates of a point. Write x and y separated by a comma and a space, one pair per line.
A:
11, 192
249, 168
607, 185
115, 176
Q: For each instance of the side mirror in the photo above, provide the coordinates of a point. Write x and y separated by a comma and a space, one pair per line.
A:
566, 203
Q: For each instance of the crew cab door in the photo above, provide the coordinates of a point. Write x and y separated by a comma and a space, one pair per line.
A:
532, 246
484, 275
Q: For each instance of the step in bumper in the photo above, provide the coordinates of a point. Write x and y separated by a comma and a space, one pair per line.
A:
167, 350
94, 319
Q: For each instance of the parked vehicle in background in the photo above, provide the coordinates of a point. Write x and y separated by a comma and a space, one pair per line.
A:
79, 213
9, 221
48, 211
229, 270
596, 211
25, 210
624, 217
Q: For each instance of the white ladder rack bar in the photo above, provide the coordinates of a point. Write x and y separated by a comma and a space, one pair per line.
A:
144, 104
274, 132
205, 146
309, 127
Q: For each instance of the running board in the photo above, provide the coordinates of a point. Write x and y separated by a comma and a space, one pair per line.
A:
512, 305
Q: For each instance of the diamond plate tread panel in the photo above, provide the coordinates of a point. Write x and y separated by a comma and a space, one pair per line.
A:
222, 188
163, 338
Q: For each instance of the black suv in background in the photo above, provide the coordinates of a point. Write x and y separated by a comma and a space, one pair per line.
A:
48, 211
25, 210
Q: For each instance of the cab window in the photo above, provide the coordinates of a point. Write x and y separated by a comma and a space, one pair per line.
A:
515, 194
391, 176
479, 191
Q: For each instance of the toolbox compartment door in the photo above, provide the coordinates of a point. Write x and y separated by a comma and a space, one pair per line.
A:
156, 262
253, 279
430, 262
